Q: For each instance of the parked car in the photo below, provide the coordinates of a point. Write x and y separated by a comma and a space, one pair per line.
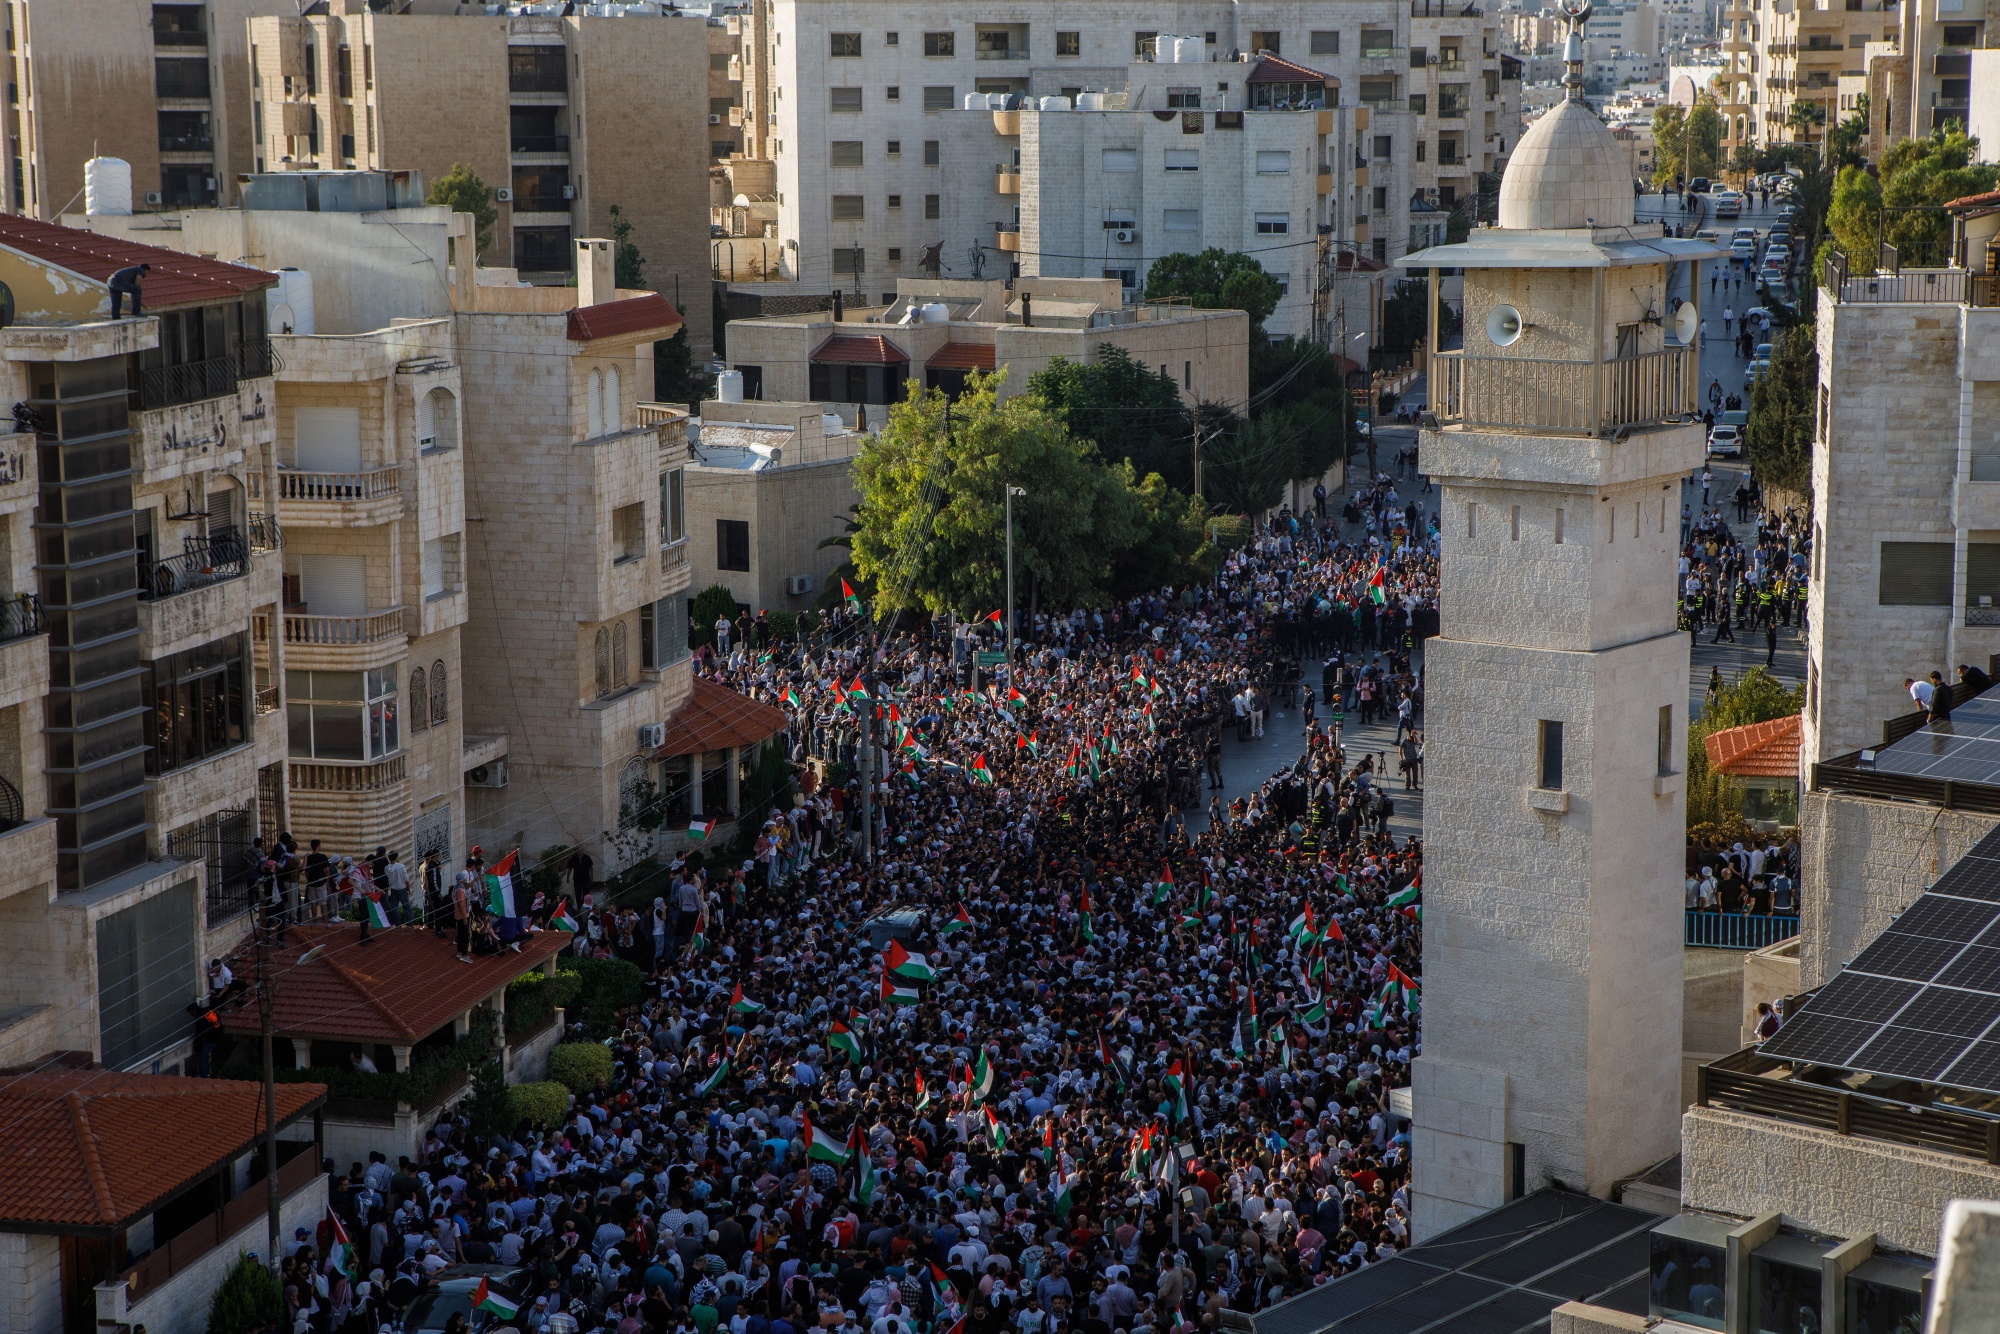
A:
1772, 275
1744, 249
1725, 441
1698, 186
1762, 352
453, 1290
902, 922
1754, 372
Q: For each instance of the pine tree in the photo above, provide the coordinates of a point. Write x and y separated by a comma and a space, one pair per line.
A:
490, 1115
248, 1299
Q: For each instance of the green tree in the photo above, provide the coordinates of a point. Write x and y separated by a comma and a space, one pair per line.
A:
1245, 466
1216, 279
710, 604
1844, 143
1406, 315
1805, 118
464, 192
1129, 411
1753, 697
676, 377
487, 1104
1780, 428
930, 521
627, 259
1687, 141
1901, 203
249, 1298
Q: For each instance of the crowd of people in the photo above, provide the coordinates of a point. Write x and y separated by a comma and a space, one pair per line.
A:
999, 1040
1730, 582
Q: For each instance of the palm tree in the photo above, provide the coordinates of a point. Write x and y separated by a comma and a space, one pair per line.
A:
1805, 118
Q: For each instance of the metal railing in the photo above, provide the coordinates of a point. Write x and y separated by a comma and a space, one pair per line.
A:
20, 616
201, 564
541, 143
182, 1252
338, 631
165, 386
1739, 931
257, 357
187, 143
267, 700
264, 533
1535, 393
13, 811
541, 204
1745, 1082
1843, 773
375, 484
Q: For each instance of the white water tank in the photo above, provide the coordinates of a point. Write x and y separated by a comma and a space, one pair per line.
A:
107, 187
1090, 101
1054, 104
975, 101
831, 424
1189, 50
288, 307
729, 387
936, 312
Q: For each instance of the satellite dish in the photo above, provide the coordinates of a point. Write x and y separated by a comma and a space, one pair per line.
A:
1504, 326
1686, 323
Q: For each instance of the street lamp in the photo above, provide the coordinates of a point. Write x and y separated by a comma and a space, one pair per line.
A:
1012, 491
272, 1202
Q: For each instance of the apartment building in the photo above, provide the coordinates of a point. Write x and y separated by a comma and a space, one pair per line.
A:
163, 86
889, 80
1926, 71
725, 86
1906, 467
564, 117
1796, 54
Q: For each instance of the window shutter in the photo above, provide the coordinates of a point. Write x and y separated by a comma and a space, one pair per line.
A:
327, 439
1915, 574
433, 567
335, 585
1982, 573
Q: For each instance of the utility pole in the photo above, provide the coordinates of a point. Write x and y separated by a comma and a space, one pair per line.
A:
868, 746
271, 1200
1012, 491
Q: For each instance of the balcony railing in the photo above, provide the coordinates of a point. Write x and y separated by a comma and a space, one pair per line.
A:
338, 486
541, 204
1566, 397
1739, 931
267, 700
264, 533
256, 357
182, 1252
1755, 1085
1957, 287
373, 777
541, 143
187, 143
13, 811
20, 616
191, 381
203, 564
342, 631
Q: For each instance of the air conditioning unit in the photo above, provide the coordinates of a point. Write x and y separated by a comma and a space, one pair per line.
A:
652, 736
154, 198
798, 584
503, 194
714, 118
569, 192
1125, 235
487, 775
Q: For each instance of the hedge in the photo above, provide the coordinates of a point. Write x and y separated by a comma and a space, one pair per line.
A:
609, 985
533, 1001
542, 1104
580, 1066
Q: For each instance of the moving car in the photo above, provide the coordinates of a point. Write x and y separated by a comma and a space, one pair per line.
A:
1725, 440
1728, 204
1698, 186
1744, 249
1754, 372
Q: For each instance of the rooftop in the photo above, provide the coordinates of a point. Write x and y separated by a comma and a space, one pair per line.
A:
650, 313
715, 718
1756, 750
402, 988
1270, 69
860, 350
96, 1150
176, 279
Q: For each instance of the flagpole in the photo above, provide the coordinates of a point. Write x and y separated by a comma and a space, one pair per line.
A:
1012, 491
868, 749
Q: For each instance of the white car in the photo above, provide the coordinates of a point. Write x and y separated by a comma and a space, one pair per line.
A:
1725, 440
1728, 204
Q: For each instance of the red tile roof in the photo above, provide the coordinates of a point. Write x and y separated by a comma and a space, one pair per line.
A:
851, 350
95, 1150
651, 313
715, 718
1990, 199
402, 987
1756, 750
176, 279
963, 357
1270, 69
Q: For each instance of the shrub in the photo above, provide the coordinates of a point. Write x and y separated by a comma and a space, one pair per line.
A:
1228, 531
491, 1105
580, 1066
609, 985
784, 624
248, 1299
542, 1104
533, 1001
709, 604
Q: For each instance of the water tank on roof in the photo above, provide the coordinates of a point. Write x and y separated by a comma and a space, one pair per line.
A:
975, 101
107, 187
831, 423
1090, 101
288, 307
1054, 104
1189, 50
729, 387
936, 312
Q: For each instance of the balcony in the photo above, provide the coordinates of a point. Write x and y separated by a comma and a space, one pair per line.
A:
1566, 397
540, 143
200, 565
239, 1223
377, 776
187, 143
1776, 1090
308, 631
1893, 284
20, 617
340, 499
542, 203
166, 386
1007, 180
1007, 237
202, 594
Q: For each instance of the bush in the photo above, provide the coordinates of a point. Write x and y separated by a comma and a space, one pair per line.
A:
533, 1001
580, 1066
490, 1106
784, 624
609, 985
1228, 531
543, 1104
711, 603
248, 1299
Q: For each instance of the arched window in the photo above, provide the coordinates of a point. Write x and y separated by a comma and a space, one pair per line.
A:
594, 406
603, 661
419, 717
437, 420
618, 656
614, 409
440, 700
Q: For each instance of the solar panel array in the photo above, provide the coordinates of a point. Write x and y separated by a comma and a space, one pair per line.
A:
1965, 750
1922, 1001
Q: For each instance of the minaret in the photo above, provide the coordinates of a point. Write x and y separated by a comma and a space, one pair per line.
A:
1557, 685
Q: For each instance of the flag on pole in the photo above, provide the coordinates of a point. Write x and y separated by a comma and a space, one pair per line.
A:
995, 1129
841, 1039
500, 886
699, 940
859, 690
823, 1147
1032, 743
742, 1004
562, 921
994, 615
1377, 589
714, 1080
945, 1295
1415, 912
849, 596
1083, 915
1060, 1201
341, 1253
1332, 931
1236, 1043
1177, 1085
484, 1298
699, 829
1405, 897
980, 771
896, 995
958, 923
979, 1079
371, 905
923, 1094
1110, 1058
904, 964
1049, 1141
863, 1190
791, 699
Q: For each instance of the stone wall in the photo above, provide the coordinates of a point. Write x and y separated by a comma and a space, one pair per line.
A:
30, 1284
180, 1305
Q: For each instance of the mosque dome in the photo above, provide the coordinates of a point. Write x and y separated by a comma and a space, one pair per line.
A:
1567, 171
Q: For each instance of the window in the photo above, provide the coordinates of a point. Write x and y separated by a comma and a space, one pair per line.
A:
149, 968
180, 78
844, 44
1142, 45
1559, 527
342, 715
1120, 219
844, 99
1325, 43
1274, 162
1384, 146
1514, 525
1418, 103
895, 148
732, 544
1471, 521
940, 44
893, 93
1187, 375
1380, 247
895, 253
1183, 159
600, 661
1915, 574
939, 97
1273, 224
1421, 144
673, 506
420, 719
1665, 759
1552, 756
849, 208
1121, 159
1264, 41
628, 533
197, 701
844, 153
537, 69
440, 696
1381, 199
1127, 278
1069, 43
895, 201
933, 206
1180, 220
441, 566
621, 656
1185, 98
930, 152
892, 39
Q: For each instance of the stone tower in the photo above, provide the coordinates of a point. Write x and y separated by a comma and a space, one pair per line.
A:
1558, 685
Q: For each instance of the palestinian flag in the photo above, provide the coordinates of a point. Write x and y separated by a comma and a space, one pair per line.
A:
1060, 1200
1030, 743
373, 912
1284, 1041
822, 1147
862, 1192
1083, 922
562, 921
699, 829
895, 995
1110, 1058
1049, 1142
923, 1094
959, 923
1190, 921
945, 1295
1378, 591
1162, 889
1147, 713
1415, 912
980, 771
791, 700
1207, 895
1256, 1032
979, 1079
1312, 1014
1405, 897
1332, 931
995, 1129
859, 690
1398, 977
714, 1080
910, 967
848, 595
484, 1298
699, 940
1301, 929
842, 1040
500, 886
993, 616
1177, 1085
340, 1253
741, 1004
1236, 1043
840, 699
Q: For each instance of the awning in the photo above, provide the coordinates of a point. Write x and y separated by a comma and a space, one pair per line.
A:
851, 350
1756, 750
716, 718
963, 357
1270, 69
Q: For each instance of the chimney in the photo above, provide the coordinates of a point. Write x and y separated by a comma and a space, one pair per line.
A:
596, 280
1027, 309
839, 307
463, 232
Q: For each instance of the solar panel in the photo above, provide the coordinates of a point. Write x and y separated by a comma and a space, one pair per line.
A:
1942, 918
1820, 1039
1974, 878
1908, 1053
1977, 969
1964, 749
1947, 1010
1978, 1068
1854, 995
1913, 958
